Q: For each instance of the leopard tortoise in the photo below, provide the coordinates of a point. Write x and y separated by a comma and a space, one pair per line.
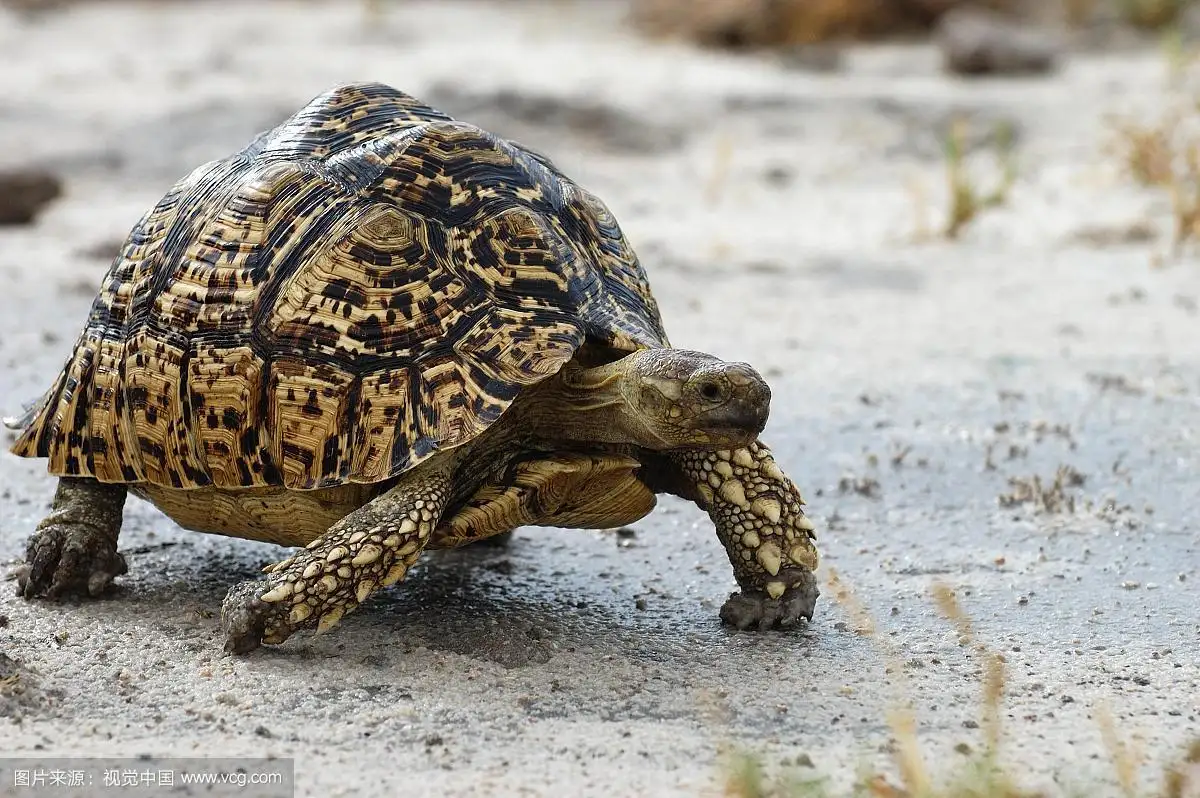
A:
377, 330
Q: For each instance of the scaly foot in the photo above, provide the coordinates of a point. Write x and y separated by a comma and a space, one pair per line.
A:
371, 548
312, 588
247, 620
754, 608
74, 550
69, 560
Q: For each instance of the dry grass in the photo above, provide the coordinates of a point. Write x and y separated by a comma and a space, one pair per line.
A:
1053, 496
1166, 155
1152, 14
1078, 12
967, 200
1179, 55
373, 10
718, 178
746, 778
1185, 198
1124, 758
1182, 778
1147, 152
983, 775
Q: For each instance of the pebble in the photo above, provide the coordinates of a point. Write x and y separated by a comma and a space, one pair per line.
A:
814, 57
975, 41
24, 192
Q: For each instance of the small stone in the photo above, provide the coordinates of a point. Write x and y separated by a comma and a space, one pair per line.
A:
262, 731
814, 57
778, 176
975, 41
963, 748
1130, 585
640, 603
24, 192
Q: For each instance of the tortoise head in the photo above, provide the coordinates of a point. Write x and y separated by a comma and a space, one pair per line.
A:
684, 398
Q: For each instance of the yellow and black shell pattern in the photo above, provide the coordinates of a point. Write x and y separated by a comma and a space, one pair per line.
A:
362, 286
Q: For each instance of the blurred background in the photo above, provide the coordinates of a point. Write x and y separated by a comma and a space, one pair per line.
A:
958, 237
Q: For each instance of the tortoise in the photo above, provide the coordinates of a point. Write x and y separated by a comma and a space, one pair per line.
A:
378, 330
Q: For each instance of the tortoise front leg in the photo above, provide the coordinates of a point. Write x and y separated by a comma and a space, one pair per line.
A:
373, 547
759, 516
74, 549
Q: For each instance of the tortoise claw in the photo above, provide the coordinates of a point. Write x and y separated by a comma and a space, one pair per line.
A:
69, 560
754, 609
248, 621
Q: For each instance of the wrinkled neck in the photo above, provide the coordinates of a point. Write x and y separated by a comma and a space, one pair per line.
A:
589, 404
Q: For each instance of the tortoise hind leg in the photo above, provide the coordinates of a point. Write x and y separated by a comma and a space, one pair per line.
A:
370, 548
74, 549
499, 540
570, 490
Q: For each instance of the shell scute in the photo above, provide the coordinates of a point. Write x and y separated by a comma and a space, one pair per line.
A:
367, 283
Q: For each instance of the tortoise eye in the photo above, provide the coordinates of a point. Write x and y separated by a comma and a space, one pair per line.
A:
711, 391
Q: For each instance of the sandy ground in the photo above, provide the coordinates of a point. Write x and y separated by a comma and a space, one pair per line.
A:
775, 211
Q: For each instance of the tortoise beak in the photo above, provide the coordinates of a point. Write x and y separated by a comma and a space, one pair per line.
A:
737, 418
748, 407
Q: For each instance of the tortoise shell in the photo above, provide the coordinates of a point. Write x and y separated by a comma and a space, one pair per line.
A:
360, 287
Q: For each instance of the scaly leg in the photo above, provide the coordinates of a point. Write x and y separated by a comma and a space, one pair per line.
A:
759, 518
373, 547
74, 549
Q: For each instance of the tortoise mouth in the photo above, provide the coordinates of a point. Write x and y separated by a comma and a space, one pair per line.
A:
741, 420
729, 435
